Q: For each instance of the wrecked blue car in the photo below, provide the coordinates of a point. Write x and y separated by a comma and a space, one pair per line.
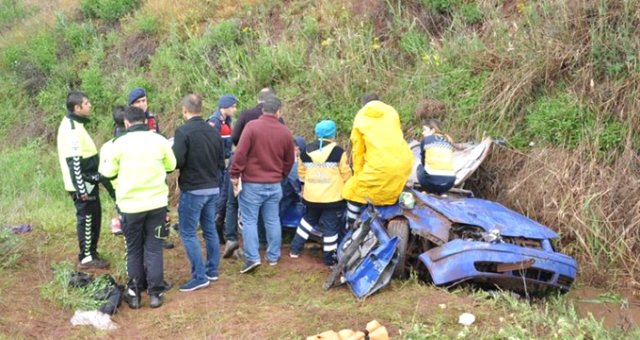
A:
453, 240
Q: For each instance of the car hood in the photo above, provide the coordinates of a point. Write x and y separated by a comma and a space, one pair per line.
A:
487, 215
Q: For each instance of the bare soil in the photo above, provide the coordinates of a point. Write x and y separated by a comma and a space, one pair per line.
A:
274, 302
620, 311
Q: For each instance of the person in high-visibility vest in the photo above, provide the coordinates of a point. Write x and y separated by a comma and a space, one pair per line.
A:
79, 161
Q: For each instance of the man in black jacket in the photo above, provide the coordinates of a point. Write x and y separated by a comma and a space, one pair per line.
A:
200, 157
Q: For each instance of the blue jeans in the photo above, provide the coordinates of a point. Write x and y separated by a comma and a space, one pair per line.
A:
194, 209
261, 199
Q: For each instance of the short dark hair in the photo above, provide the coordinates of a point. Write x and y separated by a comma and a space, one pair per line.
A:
134, 115
118, 115
271, 105
193, 103
266, 93
75, 98
369, 97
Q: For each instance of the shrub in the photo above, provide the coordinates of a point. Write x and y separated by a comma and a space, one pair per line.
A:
10, 245
413, 42
559, 120
110, 10
77, 35
612, 135
224, 34
147, 23
11, 11
442, 6
471, 13
59, 291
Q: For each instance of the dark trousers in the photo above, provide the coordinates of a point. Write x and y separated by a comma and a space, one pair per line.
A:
144, 250
329, 220
434, 184
225, 183
289, 196
88, 223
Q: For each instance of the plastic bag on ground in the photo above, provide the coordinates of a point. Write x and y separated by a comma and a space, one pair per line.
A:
93, 318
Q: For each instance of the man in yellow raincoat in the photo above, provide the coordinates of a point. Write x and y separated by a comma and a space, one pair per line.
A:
381, 158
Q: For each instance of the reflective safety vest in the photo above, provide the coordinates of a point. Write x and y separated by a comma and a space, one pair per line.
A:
77, 154
437, 155
140, 159
323, 172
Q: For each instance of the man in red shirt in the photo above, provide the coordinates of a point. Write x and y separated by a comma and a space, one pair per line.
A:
263, 158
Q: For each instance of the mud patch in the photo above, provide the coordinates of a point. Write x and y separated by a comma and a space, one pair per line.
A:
615, 310
134, 51
32, 126
283, 301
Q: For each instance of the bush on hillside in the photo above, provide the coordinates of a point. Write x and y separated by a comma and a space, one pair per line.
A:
559, 121
110, 10
9, 248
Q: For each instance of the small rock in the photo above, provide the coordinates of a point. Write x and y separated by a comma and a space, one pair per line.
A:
466, 319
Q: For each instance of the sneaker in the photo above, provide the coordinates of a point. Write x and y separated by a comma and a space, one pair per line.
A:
193, 284
249, 266
212, 276
273, 263
229, 248
155, 301
294, 256
132, 299
94, 263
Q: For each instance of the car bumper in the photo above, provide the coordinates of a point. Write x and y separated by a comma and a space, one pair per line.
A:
508, 266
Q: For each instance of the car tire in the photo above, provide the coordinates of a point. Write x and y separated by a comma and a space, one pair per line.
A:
400, 228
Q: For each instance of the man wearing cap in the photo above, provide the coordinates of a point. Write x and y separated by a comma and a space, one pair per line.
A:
231, 214
138, 98
263, 158
79, 163
221, 120
323, 170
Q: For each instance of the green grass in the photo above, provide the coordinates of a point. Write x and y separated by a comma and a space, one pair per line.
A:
62, 294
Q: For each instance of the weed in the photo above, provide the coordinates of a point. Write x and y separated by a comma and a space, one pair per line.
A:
10, 247
59, 291
12, 11
110, 10
559, 120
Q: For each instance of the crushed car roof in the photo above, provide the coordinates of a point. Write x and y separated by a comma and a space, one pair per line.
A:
487, 215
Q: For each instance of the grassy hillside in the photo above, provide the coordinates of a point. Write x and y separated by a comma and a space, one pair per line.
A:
557, 79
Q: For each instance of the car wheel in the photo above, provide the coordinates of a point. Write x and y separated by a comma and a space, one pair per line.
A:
400, 228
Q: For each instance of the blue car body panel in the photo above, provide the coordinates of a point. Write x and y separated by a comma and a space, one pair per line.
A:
292, 215
368, 276
463, 260
532, 266
486, 214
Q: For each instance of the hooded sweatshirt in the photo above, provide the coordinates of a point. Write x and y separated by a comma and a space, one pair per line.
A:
381, 158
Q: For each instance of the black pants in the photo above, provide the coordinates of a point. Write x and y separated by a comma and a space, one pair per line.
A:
88, 223
330, 221
145, 265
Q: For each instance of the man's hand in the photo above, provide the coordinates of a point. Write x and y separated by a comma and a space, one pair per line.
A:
235, 182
